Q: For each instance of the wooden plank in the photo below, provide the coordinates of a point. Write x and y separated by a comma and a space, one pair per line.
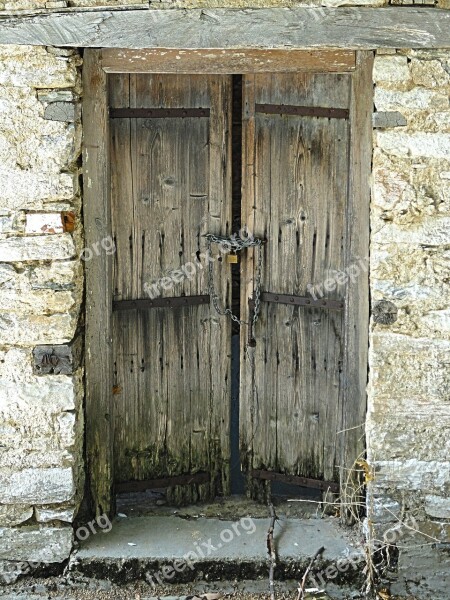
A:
290, 28
351, 440
168, 60
295, 195
97, 225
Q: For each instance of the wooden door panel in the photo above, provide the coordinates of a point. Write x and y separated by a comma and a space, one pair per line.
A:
295, 190
170, 185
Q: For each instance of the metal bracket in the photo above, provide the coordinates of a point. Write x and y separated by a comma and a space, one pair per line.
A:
299, 301
296, 480
303, 111
157, 113
146, 303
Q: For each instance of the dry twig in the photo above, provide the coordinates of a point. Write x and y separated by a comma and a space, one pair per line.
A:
271, 551
301, 589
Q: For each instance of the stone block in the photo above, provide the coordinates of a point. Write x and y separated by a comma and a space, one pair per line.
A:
36, 543
9, 224
417, 99
36, 486
429, 231
48, 96
23, 249
31, 330
16, 365
33, 66
45, 514
34, 190
405, 190
386, 120
337, 3
56, 4
411, 475
58, 276
61, 111
32, 415
409, 375
408, 436
64, 359
382, 509
40, 223
427, 145
391, 70
14, 514
34, 152
429, 73
47, 456
423, 570
20, 295
437, 507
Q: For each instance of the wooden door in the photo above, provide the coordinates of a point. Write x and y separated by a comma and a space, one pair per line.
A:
170, 184
296, 173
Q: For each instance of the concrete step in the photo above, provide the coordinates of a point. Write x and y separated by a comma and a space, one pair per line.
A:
164, 550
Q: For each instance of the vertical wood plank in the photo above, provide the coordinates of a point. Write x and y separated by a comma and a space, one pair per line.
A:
352, 440
97, 223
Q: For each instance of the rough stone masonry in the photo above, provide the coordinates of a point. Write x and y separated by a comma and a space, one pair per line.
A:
41, 291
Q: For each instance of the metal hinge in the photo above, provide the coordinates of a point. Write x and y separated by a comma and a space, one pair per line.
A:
157, 113
300, 301
303, 111
146, 303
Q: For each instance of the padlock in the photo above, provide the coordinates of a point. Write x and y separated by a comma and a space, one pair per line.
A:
232, 259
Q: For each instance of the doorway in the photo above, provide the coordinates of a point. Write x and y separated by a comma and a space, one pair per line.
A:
276, 156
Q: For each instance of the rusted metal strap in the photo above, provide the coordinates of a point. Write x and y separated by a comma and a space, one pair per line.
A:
302, 111
296, 480
146, 303
164, 482
299, 301
157, 113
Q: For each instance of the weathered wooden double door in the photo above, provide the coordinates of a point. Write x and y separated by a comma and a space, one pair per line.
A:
171, 181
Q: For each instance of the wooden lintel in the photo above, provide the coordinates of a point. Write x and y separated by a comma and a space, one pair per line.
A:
288, 28
222, 60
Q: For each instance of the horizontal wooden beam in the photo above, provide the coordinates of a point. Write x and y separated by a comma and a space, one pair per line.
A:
350, 28
317, 484
227, 61
164, 482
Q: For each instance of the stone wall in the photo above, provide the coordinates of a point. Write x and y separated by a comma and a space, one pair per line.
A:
409, 391
41, 292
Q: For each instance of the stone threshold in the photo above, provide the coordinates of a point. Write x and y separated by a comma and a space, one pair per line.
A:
165, 550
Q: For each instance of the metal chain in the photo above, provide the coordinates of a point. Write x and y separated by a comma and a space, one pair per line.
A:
235, 244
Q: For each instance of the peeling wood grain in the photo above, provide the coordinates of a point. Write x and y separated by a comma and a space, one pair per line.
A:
167, 60
303, 27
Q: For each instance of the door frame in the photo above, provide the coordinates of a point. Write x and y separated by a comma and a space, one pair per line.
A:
97, 224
